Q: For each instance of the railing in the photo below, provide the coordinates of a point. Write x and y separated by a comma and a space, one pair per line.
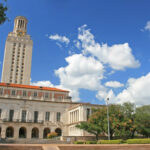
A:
22, 121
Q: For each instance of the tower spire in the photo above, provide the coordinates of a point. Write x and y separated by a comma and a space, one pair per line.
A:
20, 24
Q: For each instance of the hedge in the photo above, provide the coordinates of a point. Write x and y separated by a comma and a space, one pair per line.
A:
129, 141
138, 141
110, 142
91, 142
79, 142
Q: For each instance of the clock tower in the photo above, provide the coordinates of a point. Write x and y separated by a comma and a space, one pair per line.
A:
18, 54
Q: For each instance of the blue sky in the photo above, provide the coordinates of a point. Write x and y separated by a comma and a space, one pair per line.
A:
94, 48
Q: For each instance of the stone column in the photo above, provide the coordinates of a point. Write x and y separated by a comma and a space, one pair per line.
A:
76, 116
16, 132
29, 132
71, 116
3, 132
40, 133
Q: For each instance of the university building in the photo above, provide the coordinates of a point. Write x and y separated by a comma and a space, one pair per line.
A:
31, 112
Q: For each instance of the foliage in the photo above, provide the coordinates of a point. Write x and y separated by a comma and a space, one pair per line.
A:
91, 142
52, 135
79, 142
3, 10
143, 120
124, 121
95, 123
138, 141
110, 142
126, 127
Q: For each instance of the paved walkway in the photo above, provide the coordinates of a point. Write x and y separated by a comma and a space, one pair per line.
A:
76, 147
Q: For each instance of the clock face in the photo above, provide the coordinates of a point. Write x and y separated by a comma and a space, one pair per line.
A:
20, 33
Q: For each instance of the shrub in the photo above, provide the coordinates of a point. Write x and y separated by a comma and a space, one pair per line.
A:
91, 142
52, 135
110, 142
138, 141
79, 142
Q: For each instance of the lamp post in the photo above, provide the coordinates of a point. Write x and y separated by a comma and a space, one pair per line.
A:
107, 100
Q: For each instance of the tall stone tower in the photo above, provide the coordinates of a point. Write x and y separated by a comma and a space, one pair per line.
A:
18, 54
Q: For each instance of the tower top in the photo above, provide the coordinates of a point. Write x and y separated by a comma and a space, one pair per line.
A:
20, 24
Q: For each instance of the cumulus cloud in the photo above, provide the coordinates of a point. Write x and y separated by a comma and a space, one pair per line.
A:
137, 91
86, 69
81, 72
42, 83
147, 27
62, 39
118, 56
114, 84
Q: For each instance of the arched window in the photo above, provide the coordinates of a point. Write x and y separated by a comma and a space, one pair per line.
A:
22, 132
35, 133
45, 132
10, 132
58, 131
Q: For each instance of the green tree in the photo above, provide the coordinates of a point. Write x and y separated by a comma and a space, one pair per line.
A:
121, 120
3, 9
143, 120
95, 123
126, 126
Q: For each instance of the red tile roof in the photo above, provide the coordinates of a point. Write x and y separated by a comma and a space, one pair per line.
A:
32, 87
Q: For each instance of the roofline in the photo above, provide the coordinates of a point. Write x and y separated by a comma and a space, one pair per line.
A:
32, 87
36, 100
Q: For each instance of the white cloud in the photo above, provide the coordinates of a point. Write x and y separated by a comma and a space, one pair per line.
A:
42, 83
62, 39
118, 56
114, 84
81, 72
86, 70
147, 27
138, 91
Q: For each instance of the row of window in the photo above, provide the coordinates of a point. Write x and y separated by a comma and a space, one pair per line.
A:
24, 93
36, 116
17, 63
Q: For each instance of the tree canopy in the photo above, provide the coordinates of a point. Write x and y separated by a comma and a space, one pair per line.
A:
3, 9
124, 121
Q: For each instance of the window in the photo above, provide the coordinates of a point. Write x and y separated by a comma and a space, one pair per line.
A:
47, 116
58, 116
0, 113
11, 115
35, 116
46, 95
88, 113
35, 94
1, 91
59, 98
13, 92
24, 93
23, 117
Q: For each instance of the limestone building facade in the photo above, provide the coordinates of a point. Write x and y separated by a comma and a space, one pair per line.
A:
18, 54
31, 112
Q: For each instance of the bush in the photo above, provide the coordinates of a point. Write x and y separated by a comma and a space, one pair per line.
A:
138, 141
110, 142
52, 135
91, 142
79, 142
